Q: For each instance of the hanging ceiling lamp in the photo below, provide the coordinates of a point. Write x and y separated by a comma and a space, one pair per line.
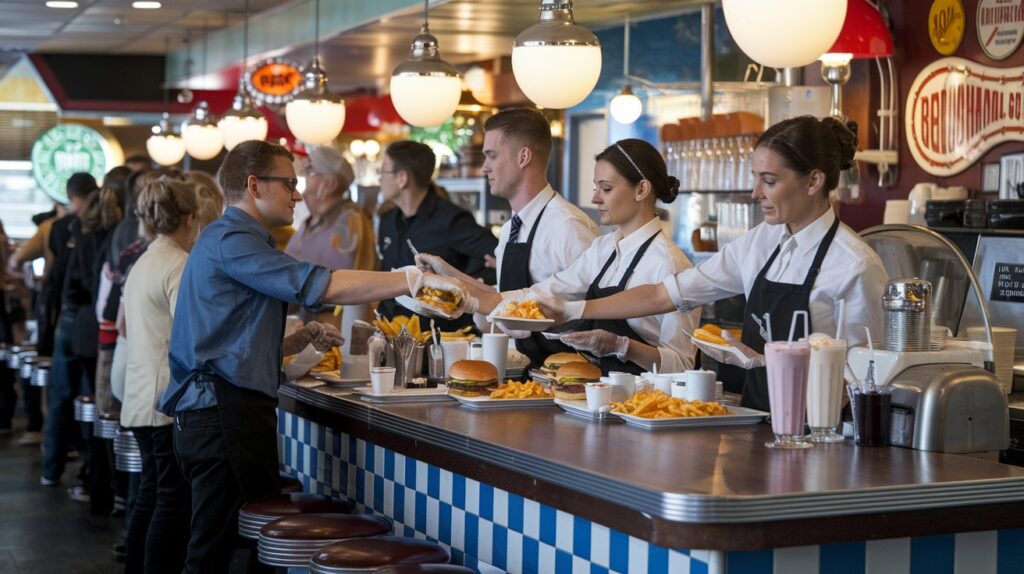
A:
199, 132
425, 89
556, 63
784, 33
626, 107
165, 147
243, 122
864, 35
315, 116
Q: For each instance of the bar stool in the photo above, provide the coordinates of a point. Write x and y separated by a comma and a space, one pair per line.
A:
425, 569
27, 364
127, 456
292, 540
41, 372
255, 515
107, 425
348, 556
85, 409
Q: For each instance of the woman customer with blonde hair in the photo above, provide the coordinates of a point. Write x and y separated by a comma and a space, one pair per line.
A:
209, 198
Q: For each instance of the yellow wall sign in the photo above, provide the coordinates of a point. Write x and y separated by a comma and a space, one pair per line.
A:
946, 25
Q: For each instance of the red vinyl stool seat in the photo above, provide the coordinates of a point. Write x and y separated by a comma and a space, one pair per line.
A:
371, 553
292, 540
255, 515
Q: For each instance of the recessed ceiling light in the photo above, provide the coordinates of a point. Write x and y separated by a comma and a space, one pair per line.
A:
144, 5
61, 4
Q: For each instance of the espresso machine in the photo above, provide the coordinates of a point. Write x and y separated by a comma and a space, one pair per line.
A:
945, 395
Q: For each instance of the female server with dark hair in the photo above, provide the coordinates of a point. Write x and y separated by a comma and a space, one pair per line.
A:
800, 259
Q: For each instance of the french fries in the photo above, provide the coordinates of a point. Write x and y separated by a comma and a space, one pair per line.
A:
653, 404
522, 310
704, 334
463, 334
516, 390
412, 326
329, 363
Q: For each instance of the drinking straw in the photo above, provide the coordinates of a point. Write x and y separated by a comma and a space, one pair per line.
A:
433, 331
492, 327
842, 319
768, 326
792, 324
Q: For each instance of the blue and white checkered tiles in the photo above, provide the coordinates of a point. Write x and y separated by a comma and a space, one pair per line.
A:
489, 528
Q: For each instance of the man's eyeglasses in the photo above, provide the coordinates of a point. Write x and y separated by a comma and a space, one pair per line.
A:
381, 171
289, 182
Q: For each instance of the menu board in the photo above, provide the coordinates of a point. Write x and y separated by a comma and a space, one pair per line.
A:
1008, 282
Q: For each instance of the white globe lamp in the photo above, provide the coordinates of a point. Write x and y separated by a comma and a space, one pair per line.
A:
243, 122
425, 89
163, 146
626, 107
315, 116
202, 138
784, 33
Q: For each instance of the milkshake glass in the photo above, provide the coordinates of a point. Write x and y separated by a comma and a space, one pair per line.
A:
825, 389
787, 392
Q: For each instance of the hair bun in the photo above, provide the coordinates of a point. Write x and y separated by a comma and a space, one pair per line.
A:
673, 189
846, 136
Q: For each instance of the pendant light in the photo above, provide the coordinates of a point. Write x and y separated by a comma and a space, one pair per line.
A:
626, 107
165, 147
425, 89
556, 62
243, 122
199, 132
784, 33
315, 116
864, 35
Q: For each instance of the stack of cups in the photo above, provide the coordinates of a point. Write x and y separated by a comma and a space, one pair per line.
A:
1004, 343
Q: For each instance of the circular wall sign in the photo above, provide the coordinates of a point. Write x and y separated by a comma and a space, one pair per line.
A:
274, 81
1000, 27
67, 149
946, 25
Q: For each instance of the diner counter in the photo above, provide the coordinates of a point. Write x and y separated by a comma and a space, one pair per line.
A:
714, 488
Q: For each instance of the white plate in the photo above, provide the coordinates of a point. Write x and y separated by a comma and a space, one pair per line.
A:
435, 395
541, 377
727, 348
517, 324
417, 306
579, 408
489, 403
736, 416
335, 380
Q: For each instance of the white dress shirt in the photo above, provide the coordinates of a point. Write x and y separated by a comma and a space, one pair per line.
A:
564, 234
662, 260
150, 293
851, 271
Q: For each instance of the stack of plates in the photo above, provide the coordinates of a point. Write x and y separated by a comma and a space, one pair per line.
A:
27, 364
107, 425
128, 458
85, 409
1004, 343
41, 374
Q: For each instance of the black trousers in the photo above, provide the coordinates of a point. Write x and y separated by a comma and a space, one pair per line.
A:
228, 454
8, 396
32, 402
158, 532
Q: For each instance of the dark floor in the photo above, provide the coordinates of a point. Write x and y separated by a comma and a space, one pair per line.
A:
42, 529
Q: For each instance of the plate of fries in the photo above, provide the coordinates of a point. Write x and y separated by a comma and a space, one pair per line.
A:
417, 306
511, 394
651, 409
520, 316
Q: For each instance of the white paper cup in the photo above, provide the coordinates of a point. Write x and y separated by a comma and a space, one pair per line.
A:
623, 385
598, 395
495, 352
663, 383
382, 379
700, 385
454, 351
679, 387
476, 351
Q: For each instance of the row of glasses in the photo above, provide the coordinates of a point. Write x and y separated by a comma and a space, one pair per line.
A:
714, 164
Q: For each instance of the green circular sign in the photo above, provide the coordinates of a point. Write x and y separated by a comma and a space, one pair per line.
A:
64, 150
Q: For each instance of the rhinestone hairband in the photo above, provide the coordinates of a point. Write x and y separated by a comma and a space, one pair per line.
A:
633, 163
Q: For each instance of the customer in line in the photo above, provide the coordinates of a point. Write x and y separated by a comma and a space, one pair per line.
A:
226, 343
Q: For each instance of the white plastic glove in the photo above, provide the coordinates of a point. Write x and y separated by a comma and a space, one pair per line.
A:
468, 304
559, 309
598, 342
413, 278
434, 264
751, 358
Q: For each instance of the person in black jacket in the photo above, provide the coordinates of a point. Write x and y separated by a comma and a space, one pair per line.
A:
428, 222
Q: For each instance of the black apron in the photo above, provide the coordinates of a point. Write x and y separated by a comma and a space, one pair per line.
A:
515, 274
780, 301
249, 424
618, 326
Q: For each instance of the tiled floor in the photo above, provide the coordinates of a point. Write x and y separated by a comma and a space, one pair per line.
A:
41, 529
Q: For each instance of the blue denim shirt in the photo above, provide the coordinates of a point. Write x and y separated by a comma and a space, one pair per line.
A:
230, 315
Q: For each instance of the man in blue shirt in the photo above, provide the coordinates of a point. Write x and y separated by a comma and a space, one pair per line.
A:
226, 343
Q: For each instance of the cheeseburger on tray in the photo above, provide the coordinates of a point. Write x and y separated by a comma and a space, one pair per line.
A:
553, 362
471, 378
571, 377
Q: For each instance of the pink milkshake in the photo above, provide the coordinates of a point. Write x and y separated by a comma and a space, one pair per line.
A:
787, 392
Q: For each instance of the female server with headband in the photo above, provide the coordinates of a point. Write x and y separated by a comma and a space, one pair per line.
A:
629, 178
801, 258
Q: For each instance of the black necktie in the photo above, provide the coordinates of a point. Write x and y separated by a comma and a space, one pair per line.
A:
516, 224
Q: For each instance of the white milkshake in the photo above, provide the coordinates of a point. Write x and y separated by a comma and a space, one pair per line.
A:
825, 388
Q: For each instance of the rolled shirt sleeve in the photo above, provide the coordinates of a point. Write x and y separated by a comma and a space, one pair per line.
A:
247, 260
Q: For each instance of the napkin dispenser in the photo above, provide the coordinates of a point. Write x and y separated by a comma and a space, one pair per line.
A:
953, 408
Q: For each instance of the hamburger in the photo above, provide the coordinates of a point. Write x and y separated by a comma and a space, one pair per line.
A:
571, 378
471, 378
441, 299
553, 362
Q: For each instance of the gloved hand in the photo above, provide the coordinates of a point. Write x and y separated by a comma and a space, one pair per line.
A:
598, 342
433, 264
751, 358
468, 304
323, 336
558, 309
413, 278
512, 333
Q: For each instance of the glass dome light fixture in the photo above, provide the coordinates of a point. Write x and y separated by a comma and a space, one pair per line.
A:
164, 146
556, 62
315, 115
202, 138
626, 107
784, 33
425, 89
243, 122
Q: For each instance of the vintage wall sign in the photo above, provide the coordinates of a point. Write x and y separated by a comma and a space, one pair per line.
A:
1000, 27
946, 25
273, 81
958, 109
70, 148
